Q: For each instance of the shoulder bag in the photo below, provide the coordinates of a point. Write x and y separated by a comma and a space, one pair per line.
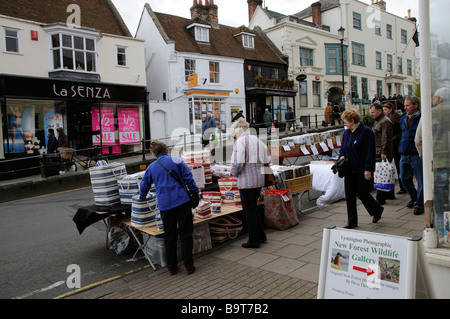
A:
192, 198
342, 165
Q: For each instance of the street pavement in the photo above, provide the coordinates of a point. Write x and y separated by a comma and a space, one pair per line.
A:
285, 267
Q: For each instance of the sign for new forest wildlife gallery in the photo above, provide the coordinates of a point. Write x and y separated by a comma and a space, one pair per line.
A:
365, 265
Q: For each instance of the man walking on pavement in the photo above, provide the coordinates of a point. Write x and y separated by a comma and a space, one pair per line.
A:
383, 130
410, 161
268, 120
290, 119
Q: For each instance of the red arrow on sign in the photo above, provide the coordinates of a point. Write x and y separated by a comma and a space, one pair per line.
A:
368, 270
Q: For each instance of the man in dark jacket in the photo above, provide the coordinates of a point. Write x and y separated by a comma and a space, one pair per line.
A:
410, 161
290, 119
383, 130
51, 142
238, 116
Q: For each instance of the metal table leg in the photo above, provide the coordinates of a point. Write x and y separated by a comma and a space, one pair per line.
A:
142, 247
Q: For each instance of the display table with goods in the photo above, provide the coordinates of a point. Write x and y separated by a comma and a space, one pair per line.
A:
132, 221
314, 145
152, 242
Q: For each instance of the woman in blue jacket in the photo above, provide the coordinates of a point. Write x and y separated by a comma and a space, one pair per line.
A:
358, 145
173, 203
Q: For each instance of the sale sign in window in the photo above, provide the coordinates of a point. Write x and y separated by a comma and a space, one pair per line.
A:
128, 126
103, 121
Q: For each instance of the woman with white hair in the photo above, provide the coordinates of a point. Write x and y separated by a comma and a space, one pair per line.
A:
248, 163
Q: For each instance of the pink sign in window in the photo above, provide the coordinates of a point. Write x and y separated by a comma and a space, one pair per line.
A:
105, 116
128, 126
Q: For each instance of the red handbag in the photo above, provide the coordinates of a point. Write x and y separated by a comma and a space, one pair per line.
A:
279, 210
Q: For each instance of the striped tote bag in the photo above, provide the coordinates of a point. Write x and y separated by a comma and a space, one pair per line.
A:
104, 183
144, 210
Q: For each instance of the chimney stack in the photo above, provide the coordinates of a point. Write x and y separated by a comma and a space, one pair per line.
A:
252, 5
380, 4
207, 12
317, 12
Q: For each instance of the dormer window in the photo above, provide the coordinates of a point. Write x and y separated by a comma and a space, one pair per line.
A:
248, 39
201, 32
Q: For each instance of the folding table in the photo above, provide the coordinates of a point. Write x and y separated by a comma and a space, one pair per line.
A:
154, 231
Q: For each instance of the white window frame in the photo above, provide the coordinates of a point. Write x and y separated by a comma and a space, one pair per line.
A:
125, 54
191, 70
201, 34
214, 74
248, 41
17, 38
60, 31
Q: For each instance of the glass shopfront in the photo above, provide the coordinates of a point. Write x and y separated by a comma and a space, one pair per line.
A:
110, 116
199, 107
28, 122
276, 101
440, 113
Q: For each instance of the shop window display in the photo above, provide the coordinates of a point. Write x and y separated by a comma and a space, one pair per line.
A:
200, 107
115, 127
28, 123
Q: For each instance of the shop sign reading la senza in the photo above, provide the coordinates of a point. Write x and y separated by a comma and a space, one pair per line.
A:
82, 92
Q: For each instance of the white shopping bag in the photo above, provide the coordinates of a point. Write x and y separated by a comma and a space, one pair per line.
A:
384, 176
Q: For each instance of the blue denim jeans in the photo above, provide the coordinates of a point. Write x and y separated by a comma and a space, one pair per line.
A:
411, 166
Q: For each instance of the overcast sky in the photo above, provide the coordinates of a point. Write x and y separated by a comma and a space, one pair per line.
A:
235, 12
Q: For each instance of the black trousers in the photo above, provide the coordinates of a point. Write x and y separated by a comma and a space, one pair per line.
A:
180, 216
357, 186
255, 222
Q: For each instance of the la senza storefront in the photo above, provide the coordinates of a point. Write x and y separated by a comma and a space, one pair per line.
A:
86, 111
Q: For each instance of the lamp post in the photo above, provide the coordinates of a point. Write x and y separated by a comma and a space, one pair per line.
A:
341, 33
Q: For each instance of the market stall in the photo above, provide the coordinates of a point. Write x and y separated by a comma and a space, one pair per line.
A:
118, 204
313, 145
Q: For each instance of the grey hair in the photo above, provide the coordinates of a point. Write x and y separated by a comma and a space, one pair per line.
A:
443, 94
240, 126
414, 100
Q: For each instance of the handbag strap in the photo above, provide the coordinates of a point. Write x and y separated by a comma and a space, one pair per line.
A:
171, 174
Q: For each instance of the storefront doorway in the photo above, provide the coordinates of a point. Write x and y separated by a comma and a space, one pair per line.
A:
79, 124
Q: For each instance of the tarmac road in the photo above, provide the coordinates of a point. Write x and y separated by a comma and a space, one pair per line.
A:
39, 241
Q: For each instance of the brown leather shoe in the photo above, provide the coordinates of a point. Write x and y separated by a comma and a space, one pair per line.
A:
190, 270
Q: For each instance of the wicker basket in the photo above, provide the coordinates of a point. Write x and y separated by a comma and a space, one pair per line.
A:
281, 152
66, 153
299, 184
